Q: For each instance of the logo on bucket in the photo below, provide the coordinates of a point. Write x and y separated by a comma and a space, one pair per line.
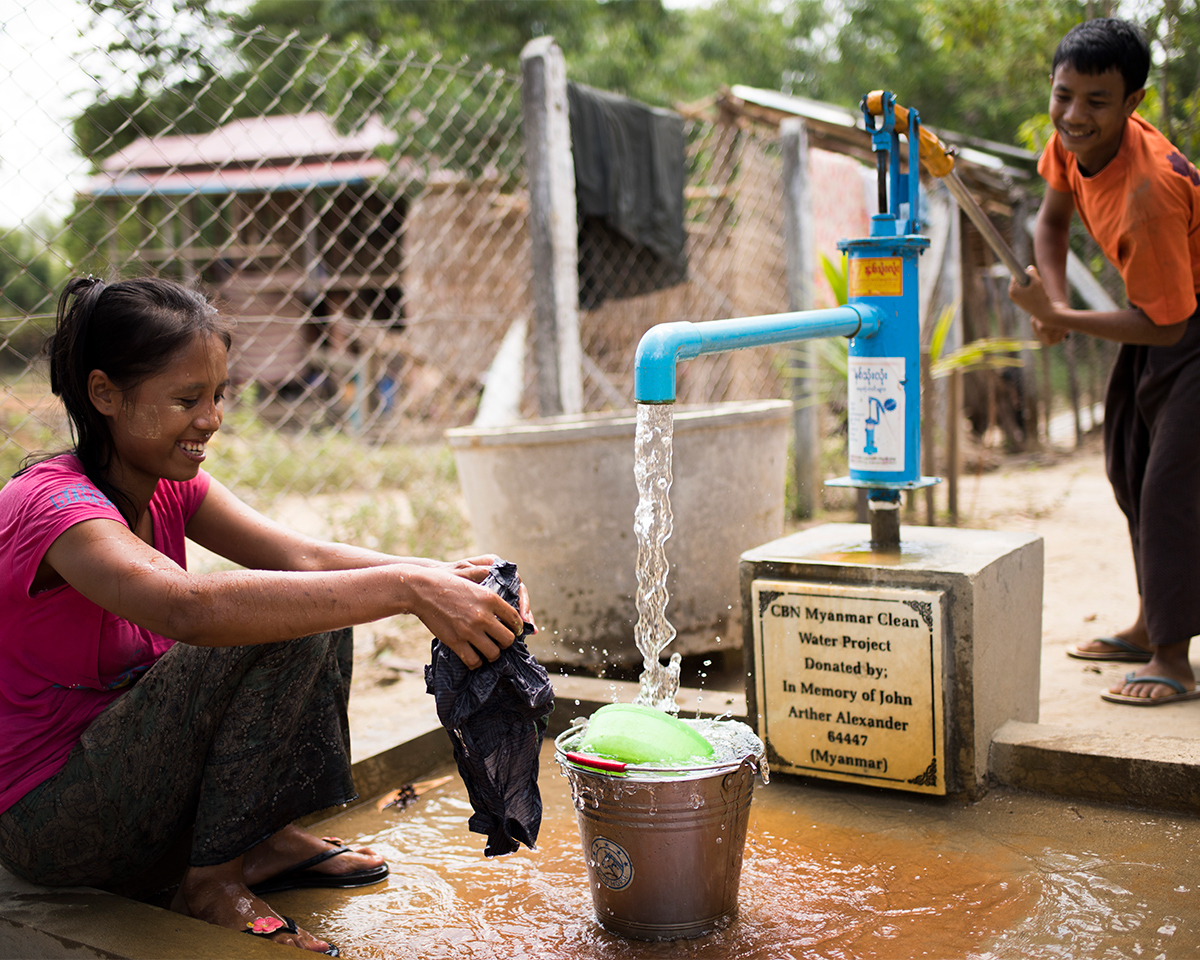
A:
613, 867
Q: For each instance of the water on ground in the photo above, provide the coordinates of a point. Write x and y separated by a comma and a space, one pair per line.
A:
829, 872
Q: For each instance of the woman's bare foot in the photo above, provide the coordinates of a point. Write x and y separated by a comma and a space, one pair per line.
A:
291, 846
1169, 660
219, 896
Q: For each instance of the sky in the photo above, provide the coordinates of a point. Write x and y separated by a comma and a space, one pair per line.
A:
43, 83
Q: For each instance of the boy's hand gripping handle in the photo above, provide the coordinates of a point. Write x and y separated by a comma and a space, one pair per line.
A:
938, 160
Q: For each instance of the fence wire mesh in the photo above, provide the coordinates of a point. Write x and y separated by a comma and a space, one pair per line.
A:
362, 215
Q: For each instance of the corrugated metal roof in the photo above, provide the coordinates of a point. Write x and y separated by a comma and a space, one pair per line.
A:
995, 153
249, 141
296, 176
996, 168
800, 106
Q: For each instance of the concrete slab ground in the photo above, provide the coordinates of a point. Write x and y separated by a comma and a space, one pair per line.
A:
1083, 746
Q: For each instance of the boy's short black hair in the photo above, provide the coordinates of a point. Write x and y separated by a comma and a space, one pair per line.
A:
1100, 45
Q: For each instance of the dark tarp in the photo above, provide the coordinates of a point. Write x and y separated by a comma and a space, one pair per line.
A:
629, 174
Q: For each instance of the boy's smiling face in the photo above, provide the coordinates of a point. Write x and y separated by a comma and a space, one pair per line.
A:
1089, 111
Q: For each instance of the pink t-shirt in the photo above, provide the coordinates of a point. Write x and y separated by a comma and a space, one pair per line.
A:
63, 659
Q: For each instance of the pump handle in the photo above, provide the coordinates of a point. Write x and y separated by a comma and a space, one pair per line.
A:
940, 163
938, 160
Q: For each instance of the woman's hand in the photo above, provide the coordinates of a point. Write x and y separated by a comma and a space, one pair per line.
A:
471, 620
477, 569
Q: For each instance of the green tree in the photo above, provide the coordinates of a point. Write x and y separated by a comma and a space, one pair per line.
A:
1173, 28
978, 67
29, 274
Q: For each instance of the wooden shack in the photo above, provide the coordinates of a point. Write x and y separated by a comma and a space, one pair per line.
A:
368, 290
291, 223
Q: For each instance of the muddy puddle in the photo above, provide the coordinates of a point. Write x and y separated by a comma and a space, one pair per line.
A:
828, 872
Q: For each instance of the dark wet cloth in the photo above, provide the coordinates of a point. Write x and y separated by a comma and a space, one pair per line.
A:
231, 743
496, 715
629, 175
1152, 452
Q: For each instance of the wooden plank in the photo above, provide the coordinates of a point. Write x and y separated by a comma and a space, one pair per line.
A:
797, 222
553, 232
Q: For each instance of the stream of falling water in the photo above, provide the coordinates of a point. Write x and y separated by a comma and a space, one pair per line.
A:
652, 526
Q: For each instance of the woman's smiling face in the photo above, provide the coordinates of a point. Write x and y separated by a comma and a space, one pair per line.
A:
161, 427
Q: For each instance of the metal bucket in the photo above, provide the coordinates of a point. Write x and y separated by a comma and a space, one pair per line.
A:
663, 845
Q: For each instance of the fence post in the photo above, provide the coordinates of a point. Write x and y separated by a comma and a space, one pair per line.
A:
954, 397
1024, 252
797, 223
553, 234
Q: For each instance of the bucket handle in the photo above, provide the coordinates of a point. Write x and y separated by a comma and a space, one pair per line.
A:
598, 763
731, 782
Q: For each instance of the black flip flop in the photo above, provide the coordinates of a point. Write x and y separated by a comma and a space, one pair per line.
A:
288, 926
300, 876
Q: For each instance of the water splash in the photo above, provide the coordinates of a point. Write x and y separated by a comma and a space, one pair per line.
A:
652, 524
733, 740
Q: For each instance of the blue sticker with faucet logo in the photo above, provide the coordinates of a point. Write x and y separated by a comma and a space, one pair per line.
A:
876, 412
613, 867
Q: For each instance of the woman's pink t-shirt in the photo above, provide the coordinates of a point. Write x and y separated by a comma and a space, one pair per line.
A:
63, 659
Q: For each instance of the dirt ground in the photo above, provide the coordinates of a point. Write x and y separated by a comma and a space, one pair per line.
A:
1062, 495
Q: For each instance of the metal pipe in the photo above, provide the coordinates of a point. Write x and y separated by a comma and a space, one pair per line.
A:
881, 175
884, 508
664, 345
984, 225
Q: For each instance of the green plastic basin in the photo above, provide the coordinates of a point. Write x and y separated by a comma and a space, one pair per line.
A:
632, 733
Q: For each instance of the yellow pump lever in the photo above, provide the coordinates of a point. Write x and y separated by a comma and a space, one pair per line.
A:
939, 161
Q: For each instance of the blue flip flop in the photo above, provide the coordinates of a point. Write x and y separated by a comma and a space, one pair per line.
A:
1181, 692
1122, 651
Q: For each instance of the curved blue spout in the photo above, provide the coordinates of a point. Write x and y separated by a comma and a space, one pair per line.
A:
666, 344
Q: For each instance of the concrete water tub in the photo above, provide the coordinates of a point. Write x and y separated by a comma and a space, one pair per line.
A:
557, 497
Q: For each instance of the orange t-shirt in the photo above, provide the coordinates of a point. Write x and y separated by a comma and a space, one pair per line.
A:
1143, 209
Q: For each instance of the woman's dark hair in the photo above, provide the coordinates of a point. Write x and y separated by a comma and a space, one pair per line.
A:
1100, 45
130, 330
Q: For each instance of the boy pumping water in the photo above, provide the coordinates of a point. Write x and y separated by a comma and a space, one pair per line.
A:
1139, 198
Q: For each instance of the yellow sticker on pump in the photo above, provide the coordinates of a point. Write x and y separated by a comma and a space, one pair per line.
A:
876, 276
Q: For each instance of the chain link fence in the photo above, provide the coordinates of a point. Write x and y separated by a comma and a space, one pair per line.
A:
362, 215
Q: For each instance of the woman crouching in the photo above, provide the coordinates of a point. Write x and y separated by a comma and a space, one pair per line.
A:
139, 701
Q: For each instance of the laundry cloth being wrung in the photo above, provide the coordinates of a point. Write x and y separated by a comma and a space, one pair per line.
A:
496, 715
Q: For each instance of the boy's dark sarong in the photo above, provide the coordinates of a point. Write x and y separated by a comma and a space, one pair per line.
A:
1152, 452
233, 743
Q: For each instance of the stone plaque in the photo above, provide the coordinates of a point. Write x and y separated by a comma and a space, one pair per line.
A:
850, 682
